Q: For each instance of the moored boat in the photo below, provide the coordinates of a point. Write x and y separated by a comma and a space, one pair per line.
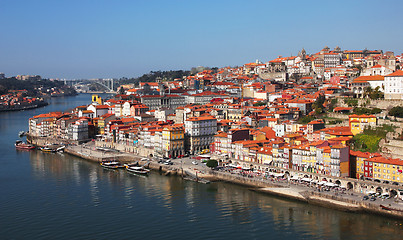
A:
25, 146
60, 149
22, 133
137, 170
111, 165
389, 208
47, 149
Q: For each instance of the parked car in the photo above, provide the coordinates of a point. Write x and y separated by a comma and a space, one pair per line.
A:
365, 197
373, 198
194, 162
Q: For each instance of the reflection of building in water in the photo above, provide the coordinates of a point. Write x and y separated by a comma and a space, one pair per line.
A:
93, 179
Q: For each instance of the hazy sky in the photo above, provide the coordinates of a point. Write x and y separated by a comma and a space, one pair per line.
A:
95, 39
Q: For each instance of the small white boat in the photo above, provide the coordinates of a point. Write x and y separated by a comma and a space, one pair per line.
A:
137, 170
60, 149
47, 149
111, 165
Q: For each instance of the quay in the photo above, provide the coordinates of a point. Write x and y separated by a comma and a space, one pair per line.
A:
344, 201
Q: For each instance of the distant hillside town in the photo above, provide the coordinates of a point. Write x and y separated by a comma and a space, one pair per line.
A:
335, 112
27, 91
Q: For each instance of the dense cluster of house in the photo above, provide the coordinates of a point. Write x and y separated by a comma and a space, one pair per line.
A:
246, 113
17, 100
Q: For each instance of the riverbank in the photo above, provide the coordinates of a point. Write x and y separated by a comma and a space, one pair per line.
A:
23, 107
345, 202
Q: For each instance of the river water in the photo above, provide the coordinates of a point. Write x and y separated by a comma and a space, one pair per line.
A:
57, 196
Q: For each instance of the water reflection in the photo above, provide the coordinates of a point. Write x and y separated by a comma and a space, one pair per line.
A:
224, 204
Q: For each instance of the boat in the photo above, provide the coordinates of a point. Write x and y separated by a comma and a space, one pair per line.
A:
24, 146
137, 170
47, 149
111, 165
60, 149
22, 133
135, 164
390, 209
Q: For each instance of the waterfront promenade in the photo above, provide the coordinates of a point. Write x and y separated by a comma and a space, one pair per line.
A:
337, 198
332, 197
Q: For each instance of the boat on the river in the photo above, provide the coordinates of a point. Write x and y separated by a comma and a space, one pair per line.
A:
47, 149
137, 170
22, 133
112, 165
390, 209
60, 149
24, 146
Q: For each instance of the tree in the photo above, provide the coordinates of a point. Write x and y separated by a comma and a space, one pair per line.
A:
212, 163
318, 104
376, 93
258, 104
121, 91
367, 91
396, 112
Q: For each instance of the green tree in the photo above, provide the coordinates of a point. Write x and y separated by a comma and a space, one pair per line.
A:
318, 104
396, 112
258, 104
121, 91
376, 93
212, 163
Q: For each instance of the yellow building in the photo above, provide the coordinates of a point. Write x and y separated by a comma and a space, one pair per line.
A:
96, 98
359, 122
173, 140
387, 169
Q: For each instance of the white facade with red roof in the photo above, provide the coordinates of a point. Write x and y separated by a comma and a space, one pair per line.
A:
394, 85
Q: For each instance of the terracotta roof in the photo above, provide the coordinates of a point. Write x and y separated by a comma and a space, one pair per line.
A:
398, 73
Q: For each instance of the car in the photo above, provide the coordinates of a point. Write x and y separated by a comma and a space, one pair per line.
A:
194, 162
186, 155
365, 197
373, 198
165, 157
168, 162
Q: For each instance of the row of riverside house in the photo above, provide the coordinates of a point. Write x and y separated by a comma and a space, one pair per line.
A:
248, 114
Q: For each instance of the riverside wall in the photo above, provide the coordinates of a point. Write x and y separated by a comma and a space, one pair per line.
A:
339, 202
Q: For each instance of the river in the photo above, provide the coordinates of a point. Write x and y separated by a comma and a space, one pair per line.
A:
57, 196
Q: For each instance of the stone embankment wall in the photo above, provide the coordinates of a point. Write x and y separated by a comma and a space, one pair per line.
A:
43, 141
138, 151
235, 178
385, 104
338, 115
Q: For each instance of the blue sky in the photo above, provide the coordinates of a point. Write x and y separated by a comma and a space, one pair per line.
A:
95, 39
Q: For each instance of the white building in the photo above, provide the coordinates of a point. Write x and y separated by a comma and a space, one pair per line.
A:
200, 132
79, 130
394, 85
377, 70
332, 59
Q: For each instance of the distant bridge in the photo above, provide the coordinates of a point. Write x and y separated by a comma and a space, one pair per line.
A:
107, 83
